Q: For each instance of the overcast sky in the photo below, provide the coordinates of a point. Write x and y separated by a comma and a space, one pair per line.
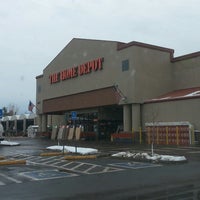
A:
33, 32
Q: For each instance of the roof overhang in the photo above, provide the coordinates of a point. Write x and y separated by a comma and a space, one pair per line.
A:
188, 93
90, 99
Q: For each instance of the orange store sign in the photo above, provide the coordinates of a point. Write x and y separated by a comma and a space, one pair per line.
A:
83, 69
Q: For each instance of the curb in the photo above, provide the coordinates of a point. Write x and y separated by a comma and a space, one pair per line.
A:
102, 155
53, 154
79, 157
12, 162
150, 161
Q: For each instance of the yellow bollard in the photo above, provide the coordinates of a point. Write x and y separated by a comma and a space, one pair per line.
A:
148, 133
133, 135
79, 157
177, 136
157, 136
192, 135
140, 135
167, 141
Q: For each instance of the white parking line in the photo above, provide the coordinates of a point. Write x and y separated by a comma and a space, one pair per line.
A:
90, 168
106, 169
46, 174
51, 161
134, 165
77, 166
69, 163
10, 178
60, 163
1, 183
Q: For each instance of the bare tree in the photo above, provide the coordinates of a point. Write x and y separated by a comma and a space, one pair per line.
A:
153, 115
5, 111
10, 110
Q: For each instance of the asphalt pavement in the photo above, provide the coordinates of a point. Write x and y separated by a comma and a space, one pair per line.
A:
52, 177
35, 146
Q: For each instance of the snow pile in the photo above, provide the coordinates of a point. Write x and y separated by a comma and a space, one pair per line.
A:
73, 149
149, 157
196, 93
8, 143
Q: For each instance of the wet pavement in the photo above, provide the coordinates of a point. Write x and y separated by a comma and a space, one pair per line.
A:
35, 146
103, 178
26, 146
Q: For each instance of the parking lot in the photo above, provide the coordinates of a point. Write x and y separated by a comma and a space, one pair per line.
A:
39, 168
112, 172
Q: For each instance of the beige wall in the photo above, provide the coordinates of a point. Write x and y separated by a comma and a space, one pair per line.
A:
56, 120
39, 93
186, 73
148, 68
172, 111
76, 53
151, 73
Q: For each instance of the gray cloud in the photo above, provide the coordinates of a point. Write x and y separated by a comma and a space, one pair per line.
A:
33, 32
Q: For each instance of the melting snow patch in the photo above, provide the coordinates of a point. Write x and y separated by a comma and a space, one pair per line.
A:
8, 143
73, 149
149, 157
193, 94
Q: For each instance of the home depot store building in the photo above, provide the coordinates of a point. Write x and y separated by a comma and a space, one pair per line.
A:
109, 84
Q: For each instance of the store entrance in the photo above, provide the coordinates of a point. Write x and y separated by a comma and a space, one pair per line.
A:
100, 123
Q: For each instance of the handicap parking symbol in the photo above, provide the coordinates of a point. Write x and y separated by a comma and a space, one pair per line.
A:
46, 174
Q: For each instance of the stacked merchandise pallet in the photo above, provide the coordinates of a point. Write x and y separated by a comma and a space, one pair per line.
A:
66, 133
170, 133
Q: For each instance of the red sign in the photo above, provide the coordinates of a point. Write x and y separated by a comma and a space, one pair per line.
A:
83, 69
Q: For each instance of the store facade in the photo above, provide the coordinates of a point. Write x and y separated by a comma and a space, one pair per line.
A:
18, 124
105, 86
